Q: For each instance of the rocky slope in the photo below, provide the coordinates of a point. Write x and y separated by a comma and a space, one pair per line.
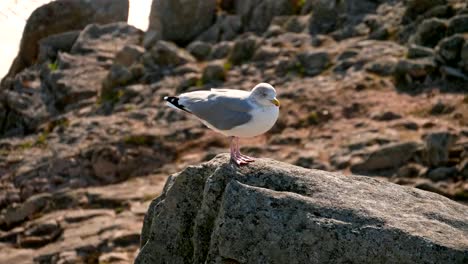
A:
273, 212
86, 140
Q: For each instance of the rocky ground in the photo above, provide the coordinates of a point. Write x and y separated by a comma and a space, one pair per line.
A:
87, 141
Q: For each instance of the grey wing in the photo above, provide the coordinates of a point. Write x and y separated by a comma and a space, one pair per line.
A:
219, 110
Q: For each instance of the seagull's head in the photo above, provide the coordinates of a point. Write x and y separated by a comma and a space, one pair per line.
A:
265, 94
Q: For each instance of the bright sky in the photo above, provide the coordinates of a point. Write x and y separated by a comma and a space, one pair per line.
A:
13, 15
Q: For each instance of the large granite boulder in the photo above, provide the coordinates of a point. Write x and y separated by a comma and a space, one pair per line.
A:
62, 16
180, 21
271, 212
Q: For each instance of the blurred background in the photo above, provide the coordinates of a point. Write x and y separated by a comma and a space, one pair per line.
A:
14, 13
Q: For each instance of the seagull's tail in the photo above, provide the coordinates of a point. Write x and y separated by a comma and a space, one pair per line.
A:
173, 102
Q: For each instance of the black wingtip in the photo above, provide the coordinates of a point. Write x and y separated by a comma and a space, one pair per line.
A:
174, 100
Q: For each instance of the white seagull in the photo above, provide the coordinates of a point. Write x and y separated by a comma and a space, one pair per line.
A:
233, 113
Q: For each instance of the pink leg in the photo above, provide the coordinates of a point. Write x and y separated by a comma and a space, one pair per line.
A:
235, 153
244, 158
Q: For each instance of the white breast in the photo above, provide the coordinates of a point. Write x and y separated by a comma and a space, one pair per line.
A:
262, 120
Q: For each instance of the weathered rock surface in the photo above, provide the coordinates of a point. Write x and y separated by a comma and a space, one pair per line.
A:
62, 16
256, 15
180, 21
271, 212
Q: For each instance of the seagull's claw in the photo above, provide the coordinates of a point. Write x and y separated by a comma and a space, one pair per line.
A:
241, 160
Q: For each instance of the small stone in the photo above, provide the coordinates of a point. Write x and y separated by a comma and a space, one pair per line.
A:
442, 173
441, 108
464, 57
411, 170
243, 50
168, 54
221, 50
437, 145
340, 162
214, 72
347, 54
417, 68
384, 67
265, 53
449, 48
200, 50
458, 24
118, 75
129, 55
418, 7
430, 32
416, 51
190, 80
386, 116
314, 62
463, 168
387, 157
310, 162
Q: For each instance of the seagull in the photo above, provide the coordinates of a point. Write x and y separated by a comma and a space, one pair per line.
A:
233, 113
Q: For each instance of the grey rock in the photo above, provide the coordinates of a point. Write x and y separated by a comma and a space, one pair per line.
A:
451, 72
243, 49
16, 213
118, 75
168, 54
51, 45
214, 72
314, 62
256, 15
62, 16
271, 212
411, 170
429, 32
441, 173
73, 85
129, 55
273, 31
389, 156
464, 57
441, 108
39, 234
417, 68
226, 27
323, 20
414, 8
221, 50
189, 80
181, 21
200, 50
463, 168
106, 40
449, 48
328, 16
416, 51
383, 67
27, 104
458, 24
296, 24
386, 116
347, 54
266, 53
437, 145
310, 162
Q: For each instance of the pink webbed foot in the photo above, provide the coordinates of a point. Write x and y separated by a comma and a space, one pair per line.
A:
236, 156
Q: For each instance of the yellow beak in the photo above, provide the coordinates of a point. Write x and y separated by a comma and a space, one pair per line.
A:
276, 102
